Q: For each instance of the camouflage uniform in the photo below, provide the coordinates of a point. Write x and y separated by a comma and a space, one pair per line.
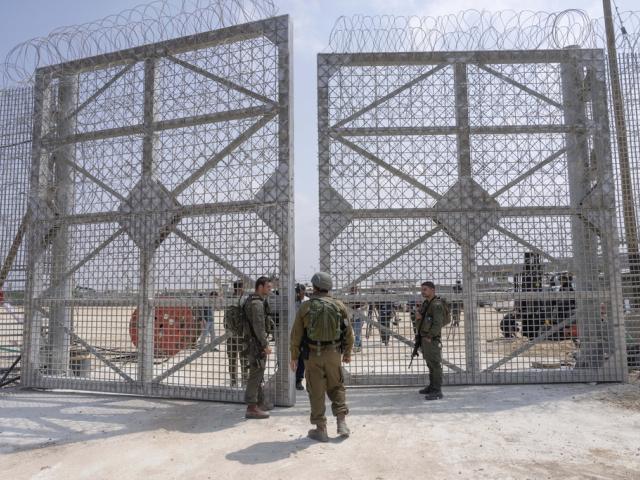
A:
257, 312
323, 370
432, 314
235, 354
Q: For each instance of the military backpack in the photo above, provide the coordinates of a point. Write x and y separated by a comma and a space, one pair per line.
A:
447, 311
446, 320
325, 322
234, 319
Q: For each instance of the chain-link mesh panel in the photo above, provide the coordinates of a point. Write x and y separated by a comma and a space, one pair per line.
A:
161, 189
16, 106
626, 123
488, 173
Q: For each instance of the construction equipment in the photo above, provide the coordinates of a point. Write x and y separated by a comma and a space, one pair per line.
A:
533, 316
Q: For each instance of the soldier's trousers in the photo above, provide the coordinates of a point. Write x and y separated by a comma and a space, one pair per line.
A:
432, 353
253, 393
324, 376
235, 355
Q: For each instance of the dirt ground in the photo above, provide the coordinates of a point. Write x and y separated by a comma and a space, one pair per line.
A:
495, 432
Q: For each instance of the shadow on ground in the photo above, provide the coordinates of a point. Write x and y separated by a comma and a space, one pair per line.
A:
32, 419
268, 452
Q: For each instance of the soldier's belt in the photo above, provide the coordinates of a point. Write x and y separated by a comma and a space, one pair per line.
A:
328, 346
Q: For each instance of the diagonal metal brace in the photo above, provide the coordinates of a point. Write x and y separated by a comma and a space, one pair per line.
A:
191, 358
540, 338
98, 355
408, 342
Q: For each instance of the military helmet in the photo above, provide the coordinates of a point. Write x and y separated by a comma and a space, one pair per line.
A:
322, 281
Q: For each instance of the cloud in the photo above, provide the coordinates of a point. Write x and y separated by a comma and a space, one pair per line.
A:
307, 37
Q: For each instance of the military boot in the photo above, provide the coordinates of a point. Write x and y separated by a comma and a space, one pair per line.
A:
425, 390
319, 433
343, 430
255, 413
434, 395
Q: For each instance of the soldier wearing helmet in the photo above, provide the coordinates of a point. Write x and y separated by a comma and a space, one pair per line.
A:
323, 336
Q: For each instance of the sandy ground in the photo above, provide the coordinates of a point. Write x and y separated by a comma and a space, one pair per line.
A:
531, 431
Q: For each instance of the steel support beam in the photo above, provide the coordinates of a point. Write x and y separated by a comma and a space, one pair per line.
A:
60, 321
584, 240
146, 311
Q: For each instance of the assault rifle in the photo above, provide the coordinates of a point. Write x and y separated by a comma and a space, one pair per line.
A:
416, 348
417, 339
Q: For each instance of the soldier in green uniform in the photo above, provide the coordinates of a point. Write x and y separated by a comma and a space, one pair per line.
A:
235, 341
430, 319
256, 331
323, 335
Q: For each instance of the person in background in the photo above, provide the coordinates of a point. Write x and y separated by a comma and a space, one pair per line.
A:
301, 297
386, 311
456, 305
235, 354
206, 317
356, 319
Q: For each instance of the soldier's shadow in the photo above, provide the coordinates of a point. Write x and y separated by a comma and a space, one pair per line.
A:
268, 452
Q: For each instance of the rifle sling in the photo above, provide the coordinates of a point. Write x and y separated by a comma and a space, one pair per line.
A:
250, 322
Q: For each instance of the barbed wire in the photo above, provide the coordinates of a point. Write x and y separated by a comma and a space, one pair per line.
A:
480, 30
157, 21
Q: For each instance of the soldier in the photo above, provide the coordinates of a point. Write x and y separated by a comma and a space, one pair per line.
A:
321, 332
301, 297
256, 331
430, 320
235, 340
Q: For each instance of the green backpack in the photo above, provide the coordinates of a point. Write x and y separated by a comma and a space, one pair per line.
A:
234, 319
446, 307
325, 322
447, 311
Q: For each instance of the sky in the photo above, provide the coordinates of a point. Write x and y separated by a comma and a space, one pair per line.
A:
312, 23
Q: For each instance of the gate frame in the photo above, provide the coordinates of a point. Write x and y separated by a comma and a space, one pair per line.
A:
336, 213
47, 226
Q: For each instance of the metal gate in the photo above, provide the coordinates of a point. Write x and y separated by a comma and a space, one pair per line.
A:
16, 107
489, 173
161, 176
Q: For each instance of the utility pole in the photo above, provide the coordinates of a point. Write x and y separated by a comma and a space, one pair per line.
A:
628, 207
